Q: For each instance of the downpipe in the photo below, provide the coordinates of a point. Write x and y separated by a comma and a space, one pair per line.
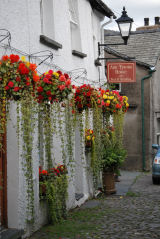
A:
151, 71
102, 42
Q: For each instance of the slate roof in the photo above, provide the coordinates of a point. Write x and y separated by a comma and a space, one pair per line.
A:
144, 45
100, 6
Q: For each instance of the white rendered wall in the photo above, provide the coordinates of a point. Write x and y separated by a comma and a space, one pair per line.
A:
22, 18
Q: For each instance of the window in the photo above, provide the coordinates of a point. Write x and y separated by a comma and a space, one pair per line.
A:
75, 29
47, 20
47, 25
73, 11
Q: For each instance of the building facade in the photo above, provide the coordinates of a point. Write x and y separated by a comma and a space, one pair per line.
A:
70, 30
142, 125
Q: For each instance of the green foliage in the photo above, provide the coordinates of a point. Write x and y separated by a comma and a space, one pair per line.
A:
112, 158
80, 223
113, 153
27, 130
132, 194
56, 195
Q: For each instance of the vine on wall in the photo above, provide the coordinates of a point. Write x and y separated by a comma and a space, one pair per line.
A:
59, 107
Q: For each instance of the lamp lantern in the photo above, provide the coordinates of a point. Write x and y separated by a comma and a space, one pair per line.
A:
125, 25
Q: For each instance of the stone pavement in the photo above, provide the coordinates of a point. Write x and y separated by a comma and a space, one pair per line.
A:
132, 213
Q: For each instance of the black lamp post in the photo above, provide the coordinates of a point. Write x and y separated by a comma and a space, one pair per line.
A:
125, 25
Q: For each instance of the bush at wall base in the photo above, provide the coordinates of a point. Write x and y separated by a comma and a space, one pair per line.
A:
54, 191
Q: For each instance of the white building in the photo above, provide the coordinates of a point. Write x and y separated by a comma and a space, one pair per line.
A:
70, 29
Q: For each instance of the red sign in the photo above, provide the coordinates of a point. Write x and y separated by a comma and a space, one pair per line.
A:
121, 72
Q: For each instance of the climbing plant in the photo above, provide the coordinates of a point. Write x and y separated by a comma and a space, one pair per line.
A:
50, 105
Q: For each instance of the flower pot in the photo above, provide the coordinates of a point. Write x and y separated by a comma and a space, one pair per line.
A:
109, 183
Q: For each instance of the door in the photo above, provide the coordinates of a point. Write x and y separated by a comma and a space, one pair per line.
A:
3, 184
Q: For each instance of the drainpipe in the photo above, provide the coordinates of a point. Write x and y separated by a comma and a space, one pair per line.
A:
142, 105
102, 28
102, 41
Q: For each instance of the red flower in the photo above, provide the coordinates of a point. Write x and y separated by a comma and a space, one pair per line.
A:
50, 72
62, 87
62, 78
40, 97
18, 79
16, 89
14, 58
45, 80
5, 58
11, 84
23, 69
68, 82
28, 83
66, 75
6, 88
118, 106
32, 67
89, 93
59, 72
48, 92
44, 172
49, 98
35, 77
40, 89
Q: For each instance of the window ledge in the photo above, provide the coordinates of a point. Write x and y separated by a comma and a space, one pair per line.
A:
50, 43
79, 54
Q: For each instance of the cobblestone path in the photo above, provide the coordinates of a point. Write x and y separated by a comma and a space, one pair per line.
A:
136, 215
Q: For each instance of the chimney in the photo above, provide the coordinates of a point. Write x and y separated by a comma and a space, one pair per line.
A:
146, 21
157, 21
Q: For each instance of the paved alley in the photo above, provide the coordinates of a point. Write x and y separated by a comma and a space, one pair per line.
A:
126, 215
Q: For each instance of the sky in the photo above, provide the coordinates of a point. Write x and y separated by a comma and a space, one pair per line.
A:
136, 9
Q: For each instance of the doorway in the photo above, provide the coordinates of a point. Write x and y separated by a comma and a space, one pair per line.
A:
3, 183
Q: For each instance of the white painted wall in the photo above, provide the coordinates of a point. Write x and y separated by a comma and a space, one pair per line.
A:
23, 19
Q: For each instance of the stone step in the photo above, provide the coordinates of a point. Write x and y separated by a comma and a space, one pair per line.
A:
8, 233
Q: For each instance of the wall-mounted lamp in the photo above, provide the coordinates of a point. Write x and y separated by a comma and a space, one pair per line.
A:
125, 25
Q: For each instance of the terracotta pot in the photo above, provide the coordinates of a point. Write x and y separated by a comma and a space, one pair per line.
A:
109, 183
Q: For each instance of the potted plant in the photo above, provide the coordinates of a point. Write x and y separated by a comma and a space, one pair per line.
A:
112, 157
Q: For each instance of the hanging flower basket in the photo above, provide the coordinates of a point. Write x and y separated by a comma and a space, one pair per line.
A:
53, 87
16, 77
89, 138
86, 97
112, 102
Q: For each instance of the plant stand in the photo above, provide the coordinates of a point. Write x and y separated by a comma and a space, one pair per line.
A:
109, 183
